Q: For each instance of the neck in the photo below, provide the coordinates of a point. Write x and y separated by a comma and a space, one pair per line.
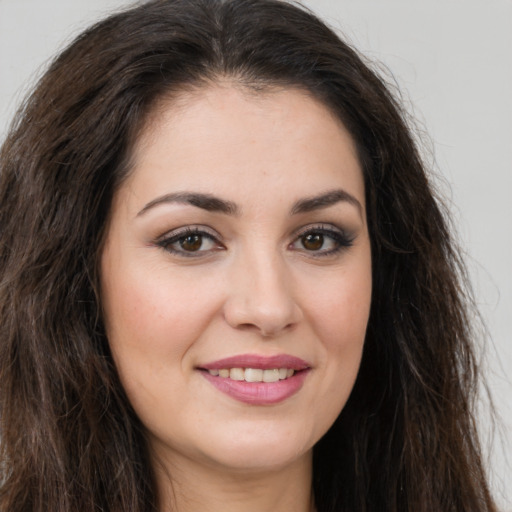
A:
191, 487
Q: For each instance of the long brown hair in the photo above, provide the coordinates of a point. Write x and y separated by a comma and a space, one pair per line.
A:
405, 441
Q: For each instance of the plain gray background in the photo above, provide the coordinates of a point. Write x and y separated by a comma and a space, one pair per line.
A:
452, 60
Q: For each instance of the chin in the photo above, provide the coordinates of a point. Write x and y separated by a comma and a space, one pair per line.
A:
262, 450
258, 461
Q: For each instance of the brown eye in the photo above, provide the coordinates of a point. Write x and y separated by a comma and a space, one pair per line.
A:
322, 240
313, 241
191, 243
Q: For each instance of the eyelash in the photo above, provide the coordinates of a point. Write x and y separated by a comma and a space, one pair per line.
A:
340, 239
175, 237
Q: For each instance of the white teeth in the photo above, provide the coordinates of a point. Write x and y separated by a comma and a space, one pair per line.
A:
270, 375
236, 374
254, 374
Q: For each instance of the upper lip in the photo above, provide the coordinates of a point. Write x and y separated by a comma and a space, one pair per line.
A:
258, 362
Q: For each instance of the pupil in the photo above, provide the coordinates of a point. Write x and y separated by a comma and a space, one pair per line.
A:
313, 242
191, 243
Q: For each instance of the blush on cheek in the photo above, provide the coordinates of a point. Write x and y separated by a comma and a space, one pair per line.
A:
345, 317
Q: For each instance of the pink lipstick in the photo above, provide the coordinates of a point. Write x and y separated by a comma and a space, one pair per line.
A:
255, 379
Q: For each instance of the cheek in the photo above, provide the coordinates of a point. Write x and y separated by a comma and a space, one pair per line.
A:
152, 321
339, 308
153, 318
339, 314
154, 310
346, 331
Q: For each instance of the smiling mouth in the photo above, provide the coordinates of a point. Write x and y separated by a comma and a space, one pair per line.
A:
253, 374
257, 386
255, 379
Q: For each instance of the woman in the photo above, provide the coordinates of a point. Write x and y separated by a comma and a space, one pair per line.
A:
226, 280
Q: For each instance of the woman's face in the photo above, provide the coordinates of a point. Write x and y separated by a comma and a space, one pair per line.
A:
238, 251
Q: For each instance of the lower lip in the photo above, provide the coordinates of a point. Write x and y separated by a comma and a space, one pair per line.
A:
258, 393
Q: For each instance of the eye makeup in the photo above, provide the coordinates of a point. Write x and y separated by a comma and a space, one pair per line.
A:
190, 242
318, 240
322, 240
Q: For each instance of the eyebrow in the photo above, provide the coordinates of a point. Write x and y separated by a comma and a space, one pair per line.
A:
206, 202
212, 203
325, 200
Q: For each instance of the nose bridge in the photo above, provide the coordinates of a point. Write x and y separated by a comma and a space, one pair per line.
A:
261, 296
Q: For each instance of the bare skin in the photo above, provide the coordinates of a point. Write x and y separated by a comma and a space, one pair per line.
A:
279, 491
240, 232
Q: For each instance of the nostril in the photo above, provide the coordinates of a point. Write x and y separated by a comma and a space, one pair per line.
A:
265, 332
270, 333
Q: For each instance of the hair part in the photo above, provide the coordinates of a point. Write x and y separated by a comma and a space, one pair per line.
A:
405, 441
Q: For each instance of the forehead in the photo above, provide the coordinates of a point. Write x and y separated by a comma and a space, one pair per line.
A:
229, 140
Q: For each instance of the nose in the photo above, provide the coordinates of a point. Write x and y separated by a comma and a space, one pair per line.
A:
261, 297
